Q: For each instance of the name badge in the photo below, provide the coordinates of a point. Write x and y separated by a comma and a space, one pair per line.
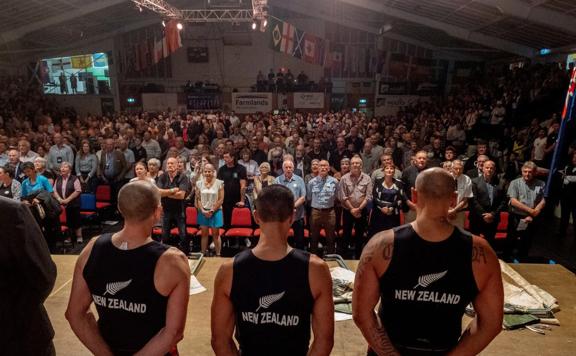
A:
235, 175
58, 160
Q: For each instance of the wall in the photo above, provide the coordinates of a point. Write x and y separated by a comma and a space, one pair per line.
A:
83, 104
236, 66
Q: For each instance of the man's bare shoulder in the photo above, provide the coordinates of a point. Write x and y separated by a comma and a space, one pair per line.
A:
318, 267
174, 261
86, 251
484, 261
380, 247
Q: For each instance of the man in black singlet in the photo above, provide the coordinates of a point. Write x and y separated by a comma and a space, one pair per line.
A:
140, 287
425, 273
272, 293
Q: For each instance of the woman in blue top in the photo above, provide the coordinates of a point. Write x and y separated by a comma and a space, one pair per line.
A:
34, 182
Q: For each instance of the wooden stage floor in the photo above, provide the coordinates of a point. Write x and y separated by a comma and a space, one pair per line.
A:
555, 279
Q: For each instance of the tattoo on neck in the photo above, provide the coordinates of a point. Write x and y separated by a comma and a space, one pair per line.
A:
478, 254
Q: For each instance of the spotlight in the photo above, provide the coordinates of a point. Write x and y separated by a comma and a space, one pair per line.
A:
254, 25
179, 26
163, 23
139, 8
265, 23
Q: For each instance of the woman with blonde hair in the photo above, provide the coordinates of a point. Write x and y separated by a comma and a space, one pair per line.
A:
263, 180
209, 198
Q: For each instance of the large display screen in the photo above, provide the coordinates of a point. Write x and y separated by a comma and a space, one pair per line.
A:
83, 74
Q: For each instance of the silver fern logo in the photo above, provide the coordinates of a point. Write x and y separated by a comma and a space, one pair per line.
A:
115, 287
268, 300
427, 279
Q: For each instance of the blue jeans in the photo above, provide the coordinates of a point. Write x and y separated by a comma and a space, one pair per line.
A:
179, 218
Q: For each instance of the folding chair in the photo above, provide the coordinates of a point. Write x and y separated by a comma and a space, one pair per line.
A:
103, 196
502, 228
88, 210
241, 224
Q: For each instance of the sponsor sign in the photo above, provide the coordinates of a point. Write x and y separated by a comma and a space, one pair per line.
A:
308, 100
246, 103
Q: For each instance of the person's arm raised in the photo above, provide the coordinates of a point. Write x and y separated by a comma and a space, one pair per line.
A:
78, 313
373, 263
222, 312
323, 311
488, 304
172, 279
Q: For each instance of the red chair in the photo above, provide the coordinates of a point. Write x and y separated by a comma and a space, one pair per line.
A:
191, 223
467, 221
103, 196
63, 228
241, 224
502, 228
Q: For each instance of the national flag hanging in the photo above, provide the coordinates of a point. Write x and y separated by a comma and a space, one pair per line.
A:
275, 33
287, 43
173, 39
560, 151
299, 37
82, 62
157, 55
310, 42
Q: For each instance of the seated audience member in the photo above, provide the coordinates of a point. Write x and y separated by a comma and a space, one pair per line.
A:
9, 187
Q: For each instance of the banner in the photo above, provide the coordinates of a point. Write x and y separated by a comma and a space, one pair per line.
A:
308, 100
81, 62
246, 103
391, 104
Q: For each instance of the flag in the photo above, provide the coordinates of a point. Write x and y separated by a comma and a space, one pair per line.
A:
275, 33
157, 56
143, 48
321, 51
173, 39
136, 51
100, 60
310, 42
299, 36
287, 42
165, 51
559, 150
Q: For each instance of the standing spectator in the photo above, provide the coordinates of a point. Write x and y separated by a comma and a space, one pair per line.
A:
355, 194
314, 167
130, 159
526, 203
3, 154
15, 164
139, 151
59, 153
234, 177
151, 146
370, 161
355, 140
28, 275
388, 201
74, 83
87, 167
9, 187
174, 188
409, 180
336, 155
481, 149
539, 146
141, 172
112, 169
488, 201
297, 187
181, 149
257, 154
154, 168
476, 171
321, 192
568, 197
209, 197
449, 154
464, 190
67, 190
26, 154
263, 180
317, 152
40, 167
385, 160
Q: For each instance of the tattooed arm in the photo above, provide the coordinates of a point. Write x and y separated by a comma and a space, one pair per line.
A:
373, 263
488, 303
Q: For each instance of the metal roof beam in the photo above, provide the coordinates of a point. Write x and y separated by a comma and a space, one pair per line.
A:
451, 30
534, 13
310, 10
91, 7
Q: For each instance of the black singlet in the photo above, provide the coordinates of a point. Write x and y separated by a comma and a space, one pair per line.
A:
425, 290
272, 304
130, 309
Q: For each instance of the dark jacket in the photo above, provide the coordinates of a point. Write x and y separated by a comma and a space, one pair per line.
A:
120, 165
27, 276
480, 203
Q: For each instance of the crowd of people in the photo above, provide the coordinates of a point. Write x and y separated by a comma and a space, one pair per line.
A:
351, 175
285, 81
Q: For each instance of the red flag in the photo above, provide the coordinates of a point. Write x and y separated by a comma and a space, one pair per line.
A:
310, 44
173, 39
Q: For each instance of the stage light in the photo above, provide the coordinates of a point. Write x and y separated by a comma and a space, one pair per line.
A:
163, 23
265, 23
179, 26
254, 25
545, 51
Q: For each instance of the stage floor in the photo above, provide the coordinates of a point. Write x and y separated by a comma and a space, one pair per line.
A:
555, 279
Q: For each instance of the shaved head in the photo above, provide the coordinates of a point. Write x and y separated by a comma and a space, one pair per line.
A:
435, 184
137, 201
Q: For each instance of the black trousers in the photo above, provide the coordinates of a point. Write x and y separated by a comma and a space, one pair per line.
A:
359, 225
298, 228
568, 207
519, 239
478, 227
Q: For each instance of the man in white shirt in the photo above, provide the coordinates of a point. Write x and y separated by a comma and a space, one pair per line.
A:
26, 155
539, 153
464, 183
